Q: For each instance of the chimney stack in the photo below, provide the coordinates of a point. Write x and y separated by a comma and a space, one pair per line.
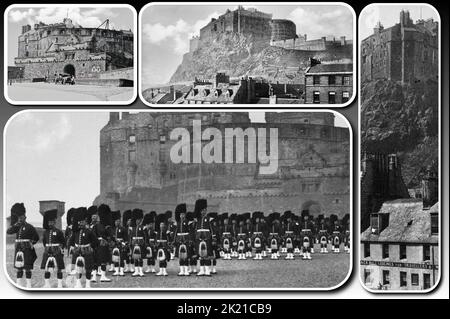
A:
429, 189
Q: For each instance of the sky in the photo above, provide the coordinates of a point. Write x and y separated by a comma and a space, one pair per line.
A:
166, 30
55, 156
389, 15
120, 19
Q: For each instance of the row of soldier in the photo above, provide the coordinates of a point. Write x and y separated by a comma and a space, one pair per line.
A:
98, 239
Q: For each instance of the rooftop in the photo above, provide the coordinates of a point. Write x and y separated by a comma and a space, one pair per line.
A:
331, 68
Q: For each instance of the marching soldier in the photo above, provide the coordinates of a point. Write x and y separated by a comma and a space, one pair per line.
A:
84, 241
192, 223
120, 241
289, 235
242, 237
26, 237
215, 241
258, 235
306, 236
226, 236
162, 244
203, 238
323, 235
54, 242
336, 234
138, 242
274, 234
149, 222
67, 234
182, 239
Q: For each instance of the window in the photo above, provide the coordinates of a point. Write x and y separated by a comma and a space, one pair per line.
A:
374, 223
385, 248
131, 156
434, 224
367, 278
366, 250
132, 139
402, 251
386, 279
403, 282
426, 253
346, 80
331, 97
345, 96
426, 281
316, 79
331, 80
415, 279
316, 97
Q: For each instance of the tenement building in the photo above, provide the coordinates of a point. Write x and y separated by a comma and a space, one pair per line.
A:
330, 83
312, 173
405, 52
400, 247
86, 53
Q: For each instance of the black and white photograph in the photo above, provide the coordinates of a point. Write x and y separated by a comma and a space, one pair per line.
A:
258, 53
70, 54
229, 200
400, 147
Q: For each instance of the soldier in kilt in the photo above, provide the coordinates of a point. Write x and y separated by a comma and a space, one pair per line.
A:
54, 242
226, 236
241, 237
84, 241
306, 235
139, 241
323, 235
101, 224
26, 237
119, 240
162, 244
203, 238
127, 220
192, 223
346, 222
67, 234
274, 234
249, 230
336, 236
150, 251
234, 234
215, 241
289, 234
182, 240
258, 235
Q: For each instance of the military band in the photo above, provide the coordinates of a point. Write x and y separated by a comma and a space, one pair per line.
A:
97, 238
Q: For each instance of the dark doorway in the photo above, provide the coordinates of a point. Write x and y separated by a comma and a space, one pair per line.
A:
69, 69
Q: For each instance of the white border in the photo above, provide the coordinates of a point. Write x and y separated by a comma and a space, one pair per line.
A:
439, 156
260, 106
74, 102
5, 209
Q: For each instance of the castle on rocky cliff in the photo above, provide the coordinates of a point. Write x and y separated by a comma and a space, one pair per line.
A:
405, 52
313, 172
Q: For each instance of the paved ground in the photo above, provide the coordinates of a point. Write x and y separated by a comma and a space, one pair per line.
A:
323, 271
53, 92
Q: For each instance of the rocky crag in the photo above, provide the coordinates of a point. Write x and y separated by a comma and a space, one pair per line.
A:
403, 119
240, 55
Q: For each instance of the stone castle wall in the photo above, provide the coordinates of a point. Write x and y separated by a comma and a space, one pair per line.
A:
313, 167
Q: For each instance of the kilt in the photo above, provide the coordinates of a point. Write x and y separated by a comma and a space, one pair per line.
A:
162, 251
29, 255
102, 255
138, 243
53, 252
88, 254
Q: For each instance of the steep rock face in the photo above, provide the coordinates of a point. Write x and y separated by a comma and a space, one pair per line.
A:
402, 119
239, 55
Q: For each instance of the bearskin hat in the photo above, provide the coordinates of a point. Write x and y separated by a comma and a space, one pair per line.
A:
127, 215
148, 219
168, 214
346, 219
333, 218
233, 217
200, 204
257, 215
246, 216
213, 216
115, 215
161, 218
274, 217
69, 216
49, 215
137, 214
180, 209
223, 216
18, 209
104, 213
190, 216
92, 210
80, 214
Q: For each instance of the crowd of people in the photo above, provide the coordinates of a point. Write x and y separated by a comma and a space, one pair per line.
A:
97, 240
